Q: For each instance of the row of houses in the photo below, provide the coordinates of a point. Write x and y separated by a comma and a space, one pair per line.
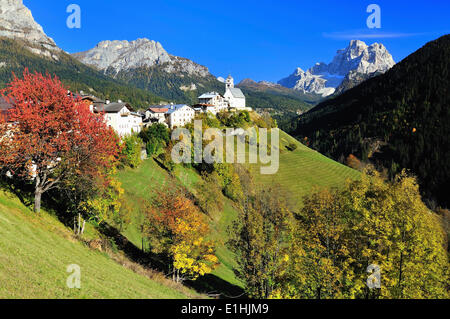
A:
119, 115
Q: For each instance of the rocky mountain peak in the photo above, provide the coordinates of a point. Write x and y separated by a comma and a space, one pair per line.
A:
117, 56
124, 55
17, 22
354, 62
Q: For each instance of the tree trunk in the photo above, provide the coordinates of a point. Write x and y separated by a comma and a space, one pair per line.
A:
82, 228
37, 200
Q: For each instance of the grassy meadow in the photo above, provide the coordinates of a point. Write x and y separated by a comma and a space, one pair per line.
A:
35, 251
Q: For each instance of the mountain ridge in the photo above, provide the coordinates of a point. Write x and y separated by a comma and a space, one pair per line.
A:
356, 61
398, 120
113, 57
17, 22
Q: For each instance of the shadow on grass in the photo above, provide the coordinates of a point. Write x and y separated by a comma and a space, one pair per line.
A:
208, 284
23, 191
214, 286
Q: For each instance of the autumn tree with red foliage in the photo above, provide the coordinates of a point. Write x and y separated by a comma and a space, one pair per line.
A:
51, 136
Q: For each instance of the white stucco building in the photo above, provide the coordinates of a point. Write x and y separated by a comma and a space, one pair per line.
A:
213, 102
234, 96
233, 99
118, 115
179, 115
156, 114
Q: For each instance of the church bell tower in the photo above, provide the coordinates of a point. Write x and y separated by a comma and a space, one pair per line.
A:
229, 82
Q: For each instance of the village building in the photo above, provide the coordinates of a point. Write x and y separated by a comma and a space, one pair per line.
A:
213, 102
206, 108
92, 100
234, 96
118, 115
155, 114
120, 118
179, 115
171, 115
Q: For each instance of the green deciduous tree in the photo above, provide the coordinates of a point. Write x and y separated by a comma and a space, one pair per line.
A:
131, 153
260, 239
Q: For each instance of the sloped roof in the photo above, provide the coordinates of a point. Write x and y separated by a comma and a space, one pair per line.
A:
111, 107
92, 98
158, 110
237, 93
209, 95
174, 108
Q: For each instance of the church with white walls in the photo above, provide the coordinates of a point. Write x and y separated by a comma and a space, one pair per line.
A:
233, 99
234, 96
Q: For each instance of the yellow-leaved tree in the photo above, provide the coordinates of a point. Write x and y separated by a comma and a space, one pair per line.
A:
370, 224
176, 228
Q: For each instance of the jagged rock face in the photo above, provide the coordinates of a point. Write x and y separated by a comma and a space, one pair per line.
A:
123, 55
355, 62
17, 22
178, 64
117, 56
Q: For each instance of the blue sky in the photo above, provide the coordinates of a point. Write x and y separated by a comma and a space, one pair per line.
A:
258, 39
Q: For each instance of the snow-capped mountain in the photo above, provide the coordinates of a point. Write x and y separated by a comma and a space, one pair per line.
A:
114, 57
349, 65
17, 22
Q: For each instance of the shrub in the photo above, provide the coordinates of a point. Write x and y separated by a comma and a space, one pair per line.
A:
131, 153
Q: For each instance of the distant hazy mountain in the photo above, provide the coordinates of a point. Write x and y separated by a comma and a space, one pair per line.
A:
270, 87
349, 67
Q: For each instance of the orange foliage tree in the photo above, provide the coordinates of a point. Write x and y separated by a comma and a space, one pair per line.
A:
51, 136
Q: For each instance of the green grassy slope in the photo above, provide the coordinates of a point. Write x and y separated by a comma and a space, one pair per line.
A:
139, 185
299, 171
36, 250
303, 169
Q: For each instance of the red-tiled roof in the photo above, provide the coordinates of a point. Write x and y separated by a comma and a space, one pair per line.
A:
158, 110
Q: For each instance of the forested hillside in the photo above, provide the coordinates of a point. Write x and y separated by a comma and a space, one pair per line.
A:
74, 74
397, 120
171, 86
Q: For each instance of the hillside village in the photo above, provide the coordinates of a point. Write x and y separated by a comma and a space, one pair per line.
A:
94, 205
124, 121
